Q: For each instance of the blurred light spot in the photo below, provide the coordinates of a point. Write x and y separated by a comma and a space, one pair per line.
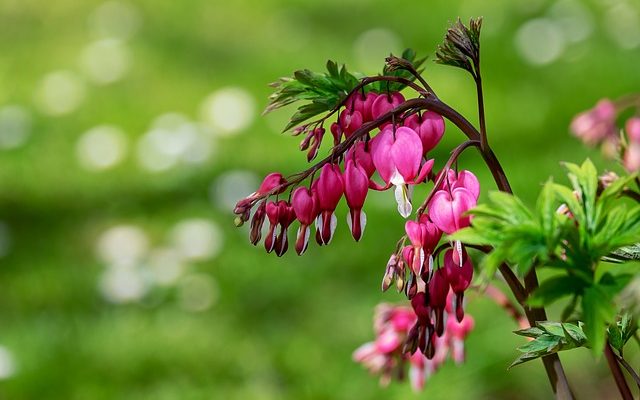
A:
573, 18
7, 363
154, 151
197, 239
530, 99
173, 139
623, 25
232, 186
197, 292
166, 265
115, 19
123, 245
15, 126
540, 41
105, 61
60, 92
101, 147
373, 46
228, 110
5, 239
120, 284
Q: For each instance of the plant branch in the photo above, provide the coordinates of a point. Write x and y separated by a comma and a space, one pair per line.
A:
629, 369
481, 116
618, 376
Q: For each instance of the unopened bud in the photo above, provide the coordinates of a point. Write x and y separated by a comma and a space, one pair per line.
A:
238, 221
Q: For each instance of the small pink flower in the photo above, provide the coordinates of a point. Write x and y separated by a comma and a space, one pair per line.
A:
457, 332
361, 155
270, 182
447, 209
459, 274
256, 223
356, 186
593, 126
429, 126
633, 129
282, 215
438, 291
349, 122
424, 236
306, 209
328, 189
398, 156
631, 158
385, 103
362, 103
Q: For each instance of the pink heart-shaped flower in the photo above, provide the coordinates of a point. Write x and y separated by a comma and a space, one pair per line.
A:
446, 209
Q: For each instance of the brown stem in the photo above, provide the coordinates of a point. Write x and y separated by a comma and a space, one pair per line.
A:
618, 376
629, 369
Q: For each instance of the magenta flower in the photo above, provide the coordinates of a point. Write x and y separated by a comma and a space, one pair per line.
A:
362, 103
459, 273
328, 190
430, 128
424, 237
398, 156
306, 209
361, 155
356, 186
350, 121
447, 209
256, 223
385, 103
269, 183
281, 215
595, 125
633, 129
438, 291
457, 332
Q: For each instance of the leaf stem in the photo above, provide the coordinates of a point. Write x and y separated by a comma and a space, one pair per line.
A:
629, 369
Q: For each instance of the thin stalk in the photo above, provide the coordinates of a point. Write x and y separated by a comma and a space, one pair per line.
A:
629, 369
618, 376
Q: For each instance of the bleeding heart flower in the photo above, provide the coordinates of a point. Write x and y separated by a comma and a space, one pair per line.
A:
356, 186
631, 158
633, 129
595, 125
397, 157
350, 121
457, 331
438, 291
306, 209
459, 274
429, 126
362, 103
464, 178
286, 216
446, 209
385, 103
328, 189
361, 155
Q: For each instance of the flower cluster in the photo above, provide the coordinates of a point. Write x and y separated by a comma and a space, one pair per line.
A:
381, 141
386, 355
597, 126
398, 153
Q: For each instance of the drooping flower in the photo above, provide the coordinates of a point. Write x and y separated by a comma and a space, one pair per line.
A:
281, 215
595, 125
447, 208
306, 209
328, 190
429, 126
457, 332
438, 291
384, 103
360, 153
397, 157
356, 186
424, 236
459, 274
270, 182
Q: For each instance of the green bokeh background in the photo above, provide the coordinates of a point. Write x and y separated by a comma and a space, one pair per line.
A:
278, 328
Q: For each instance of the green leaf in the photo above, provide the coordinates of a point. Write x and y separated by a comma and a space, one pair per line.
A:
549, 337
553, 289
597, 312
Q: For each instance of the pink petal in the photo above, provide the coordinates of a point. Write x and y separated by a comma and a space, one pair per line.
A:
381, 152
407, 153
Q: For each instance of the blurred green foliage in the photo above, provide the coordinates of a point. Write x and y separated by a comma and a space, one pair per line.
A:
280, 328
